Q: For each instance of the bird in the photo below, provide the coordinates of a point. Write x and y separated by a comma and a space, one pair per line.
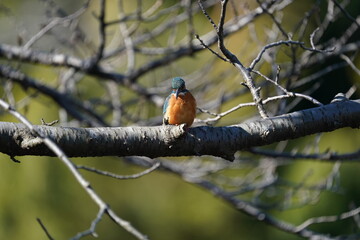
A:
180, 106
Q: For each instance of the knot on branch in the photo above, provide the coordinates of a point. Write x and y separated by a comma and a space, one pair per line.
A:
26, 139
173, 133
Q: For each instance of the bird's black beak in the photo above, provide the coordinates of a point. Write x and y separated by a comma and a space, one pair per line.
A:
177, 93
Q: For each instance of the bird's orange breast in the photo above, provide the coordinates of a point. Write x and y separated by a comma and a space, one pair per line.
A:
181, 110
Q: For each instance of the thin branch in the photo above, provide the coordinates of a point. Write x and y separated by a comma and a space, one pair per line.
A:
218, 116
327, 219
288, 93
207, 15
160, 29
86, 66
253, 211
121, 177
282, 42
351, 64
76, 108
94, 223
148, 15
235, 61
312, 35
318, 50
257, 213
128, 42
14, 159
317, 75
102, 33
54, 22
44, 229
71, 166
50, 123
346, 13
190, 26
212, 51
277, 23
325, 156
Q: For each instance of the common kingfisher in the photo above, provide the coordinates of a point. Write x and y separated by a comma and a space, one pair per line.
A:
180, 105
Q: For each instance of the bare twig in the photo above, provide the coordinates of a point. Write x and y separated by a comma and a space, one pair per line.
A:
50, 123
102, 34
207, 47
315, 76
220, 115
289, 42
351, 64
44, 229
271, 45
55, 22
72, 168
346, 13
77, 109
121, 177
288, 93
14, 159
326, 219
234, 60
207, 15
277, 23
128, 42
190, 26
246, 207
94, 223
325, 156
312, 38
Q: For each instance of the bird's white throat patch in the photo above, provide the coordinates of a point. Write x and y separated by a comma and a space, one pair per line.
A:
180, 93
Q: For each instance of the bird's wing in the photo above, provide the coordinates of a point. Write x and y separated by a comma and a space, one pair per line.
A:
166, 103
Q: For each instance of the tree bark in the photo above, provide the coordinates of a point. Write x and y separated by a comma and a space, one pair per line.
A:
161, 141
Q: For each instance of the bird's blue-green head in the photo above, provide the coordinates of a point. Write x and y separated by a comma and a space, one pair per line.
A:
178, 84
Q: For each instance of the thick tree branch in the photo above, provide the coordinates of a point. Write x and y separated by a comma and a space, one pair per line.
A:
159, 141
